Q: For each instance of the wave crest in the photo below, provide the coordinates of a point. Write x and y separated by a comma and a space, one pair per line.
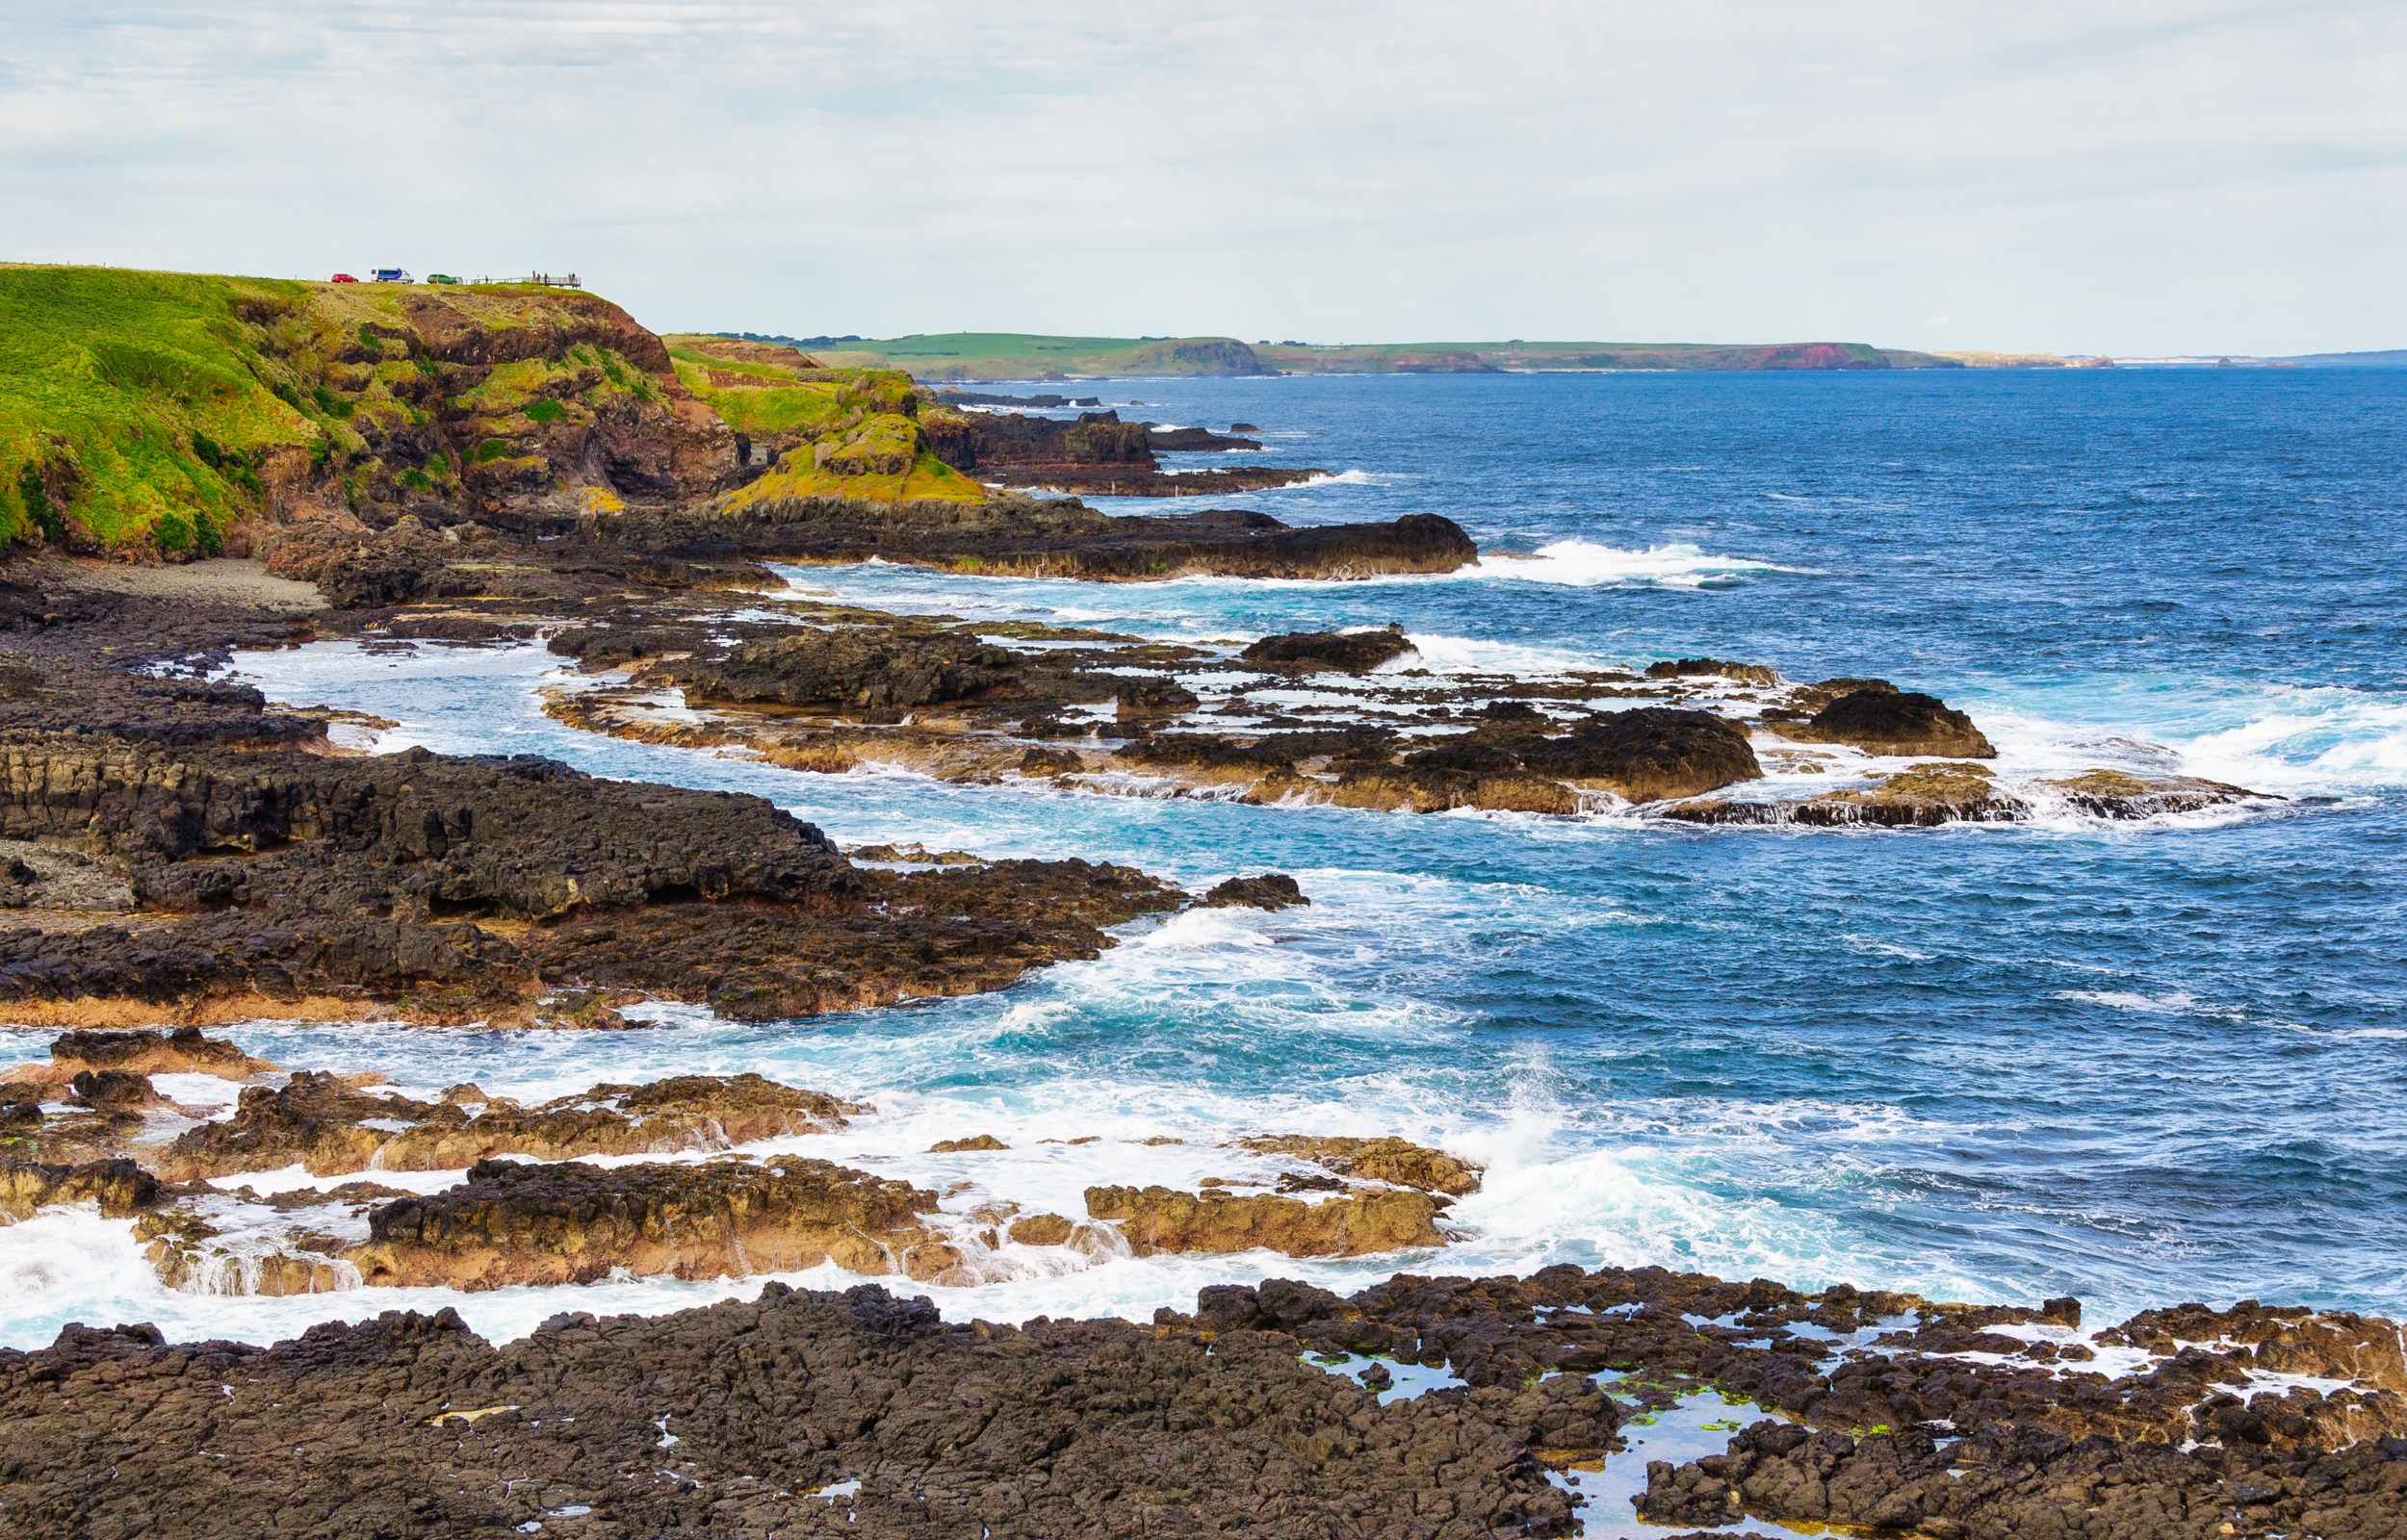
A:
1586, 564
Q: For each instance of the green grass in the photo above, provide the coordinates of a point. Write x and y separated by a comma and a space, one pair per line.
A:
133, 406
149, 412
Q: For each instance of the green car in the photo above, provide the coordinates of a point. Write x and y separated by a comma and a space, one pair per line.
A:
441, 277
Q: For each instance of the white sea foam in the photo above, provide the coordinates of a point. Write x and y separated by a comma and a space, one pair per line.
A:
2325, 739
1586, 564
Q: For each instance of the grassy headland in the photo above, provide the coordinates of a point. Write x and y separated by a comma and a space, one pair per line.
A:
835, 432
160, 414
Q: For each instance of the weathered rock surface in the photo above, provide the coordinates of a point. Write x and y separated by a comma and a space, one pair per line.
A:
1269, 890
2120, 794
1649, 753
184, 1050
1888, 721
1014, 537
727, 1422
1921, 798
322, 1124
1375, 1160
1342, 652
511, 1223
1161, 1219
735, 1420
1927, 796
120, 1187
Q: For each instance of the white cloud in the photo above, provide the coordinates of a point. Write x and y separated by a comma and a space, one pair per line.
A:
2146, 176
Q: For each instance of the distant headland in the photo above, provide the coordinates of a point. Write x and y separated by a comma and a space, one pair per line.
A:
1034, 355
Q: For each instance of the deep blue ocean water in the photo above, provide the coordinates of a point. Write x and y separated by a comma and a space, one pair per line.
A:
2139, 1064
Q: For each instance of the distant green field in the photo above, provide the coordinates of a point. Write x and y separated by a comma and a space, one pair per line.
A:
1032, 355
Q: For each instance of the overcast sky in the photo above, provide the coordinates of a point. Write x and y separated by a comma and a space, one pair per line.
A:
2136, 177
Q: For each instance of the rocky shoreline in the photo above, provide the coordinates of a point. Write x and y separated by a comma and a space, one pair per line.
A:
859, 1413
176, 852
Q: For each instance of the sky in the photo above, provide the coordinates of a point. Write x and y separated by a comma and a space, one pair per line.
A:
2140, 177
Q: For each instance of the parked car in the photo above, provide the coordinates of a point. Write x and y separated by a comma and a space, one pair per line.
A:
441, 277
345, 278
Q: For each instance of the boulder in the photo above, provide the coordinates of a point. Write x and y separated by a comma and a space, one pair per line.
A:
511, 1223
1899, 722
1336, 651
1160, 1219
874, 670
1649, 753
1713, 668
1375, 1160
1269, 890
122, 1188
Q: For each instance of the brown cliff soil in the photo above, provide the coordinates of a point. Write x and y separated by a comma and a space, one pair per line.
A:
747, 1419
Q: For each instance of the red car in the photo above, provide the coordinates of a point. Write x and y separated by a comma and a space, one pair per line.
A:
345, 278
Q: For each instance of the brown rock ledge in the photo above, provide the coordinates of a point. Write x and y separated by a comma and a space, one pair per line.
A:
1365, 1221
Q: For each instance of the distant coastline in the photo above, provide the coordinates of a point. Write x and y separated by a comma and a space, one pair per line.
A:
1034, 355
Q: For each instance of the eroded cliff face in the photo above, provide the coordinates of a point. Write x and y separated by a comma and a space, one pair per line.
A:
162, 414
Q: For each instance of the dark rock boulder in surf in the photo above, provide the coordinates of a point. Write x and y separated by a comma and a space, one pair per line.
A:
1713, 668
1269, 890
1151, 700
853, 668
1339, 651
1901, 722
1649, 753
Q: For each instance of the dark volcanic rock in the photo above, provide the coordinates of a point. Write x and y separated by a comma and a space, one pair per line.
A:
1269, 890
1905, 722
855, 668
1713, 668
1041, 538
1345, 652
727, 1421
1649, 753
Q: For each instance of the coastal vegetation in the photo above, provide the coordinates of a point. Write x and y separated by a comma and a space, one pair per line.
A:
154, 413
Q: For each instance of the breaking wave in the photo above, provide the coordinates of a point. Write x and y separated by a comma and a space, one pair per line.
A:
1586, 564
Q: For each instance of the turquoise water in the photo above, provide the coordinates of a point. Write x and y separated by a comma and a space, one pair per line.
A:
2139, 1064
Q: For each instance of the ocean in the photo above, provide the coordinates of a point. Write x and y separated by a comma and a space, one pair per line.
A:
2137, 1063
